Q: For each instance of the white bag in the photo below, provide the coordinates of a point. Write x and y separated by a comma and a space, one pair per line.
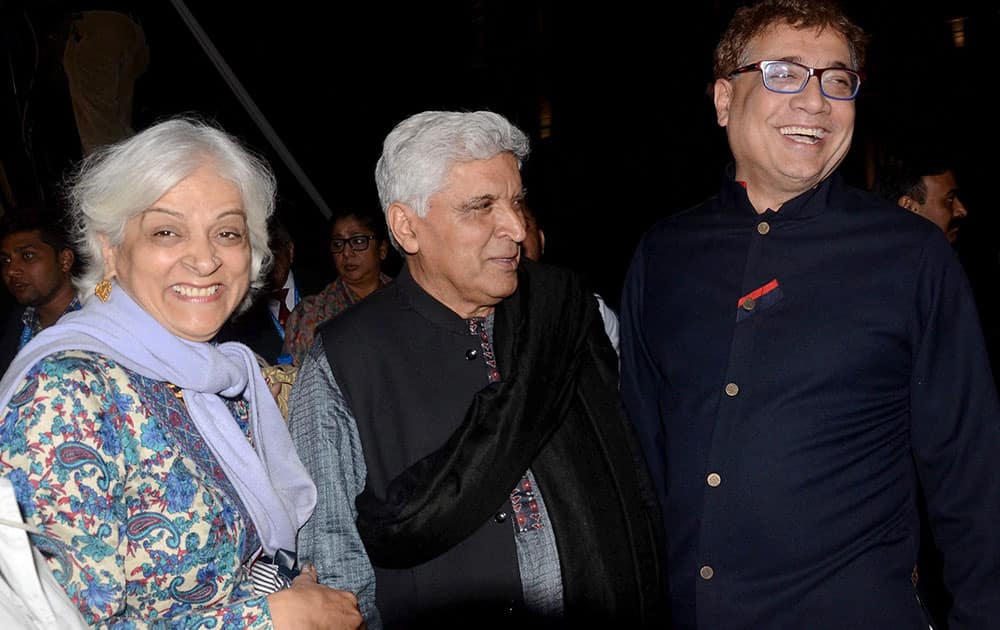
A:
30, 597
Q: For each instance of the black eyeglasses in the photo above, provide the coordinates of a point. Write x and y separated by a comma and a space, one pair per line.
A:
358, 243
788, 77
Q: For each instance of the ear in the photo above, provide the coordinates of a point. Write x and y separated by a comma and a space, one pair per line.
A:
908, 202
383, 249
722, 99
66, 258
541, 241
110, 257
403, 222
291, 253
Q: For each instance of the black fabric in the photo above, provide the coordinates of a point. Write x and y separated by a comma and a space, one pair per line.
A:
402, 362
10, 336
858, 380
556, 411
255, 328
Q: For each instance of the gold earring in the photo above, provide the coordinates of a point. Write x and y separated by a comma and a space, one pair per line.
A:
103, 290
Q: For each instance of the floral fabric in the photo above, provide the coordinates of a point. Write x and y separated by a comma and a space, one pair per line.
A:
300, 329
144, 528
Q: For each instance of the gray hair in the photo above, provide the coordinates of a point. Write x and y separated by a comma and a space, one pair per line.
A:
121, 180
418, 153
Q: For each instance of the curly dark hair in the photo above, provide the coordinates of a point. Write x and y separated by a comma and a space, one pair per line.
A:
750, 21
50, 224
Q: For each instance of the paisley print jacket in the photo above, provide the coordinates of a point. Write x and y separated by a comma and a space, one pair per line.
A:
142, 528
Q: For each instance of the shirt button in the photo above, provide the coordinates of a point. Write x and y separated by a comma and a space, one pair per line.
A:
732, 389
470, 355
763, 228
706, 572
714, 479
748, 304
500, 517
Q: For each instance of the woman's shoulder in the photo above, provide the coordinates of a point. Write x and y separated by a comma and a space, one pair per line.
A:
74, 372
78, 365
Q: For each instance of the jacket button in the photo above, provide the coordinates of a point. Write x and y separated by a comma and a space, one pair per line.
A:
714, 480
500, 517
470, 355
763, 228
706, 572
748, 304
732, 389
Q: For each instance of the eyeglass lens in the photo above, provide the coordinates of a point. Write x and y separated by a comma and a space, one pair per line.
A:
789, 77
358, 243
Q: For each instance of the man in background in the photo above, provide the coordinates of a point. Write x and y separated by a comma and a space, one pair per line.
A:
926, 186
262, 326
36, 263
533, 246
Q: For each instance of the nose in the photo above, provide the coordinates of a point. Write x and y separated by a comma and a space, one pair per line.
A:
811, 98
958, 209
201, 256
12, 269
510, 222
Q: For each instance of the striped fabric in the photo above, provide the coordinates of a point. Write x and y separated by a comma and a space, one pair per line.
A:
269, 576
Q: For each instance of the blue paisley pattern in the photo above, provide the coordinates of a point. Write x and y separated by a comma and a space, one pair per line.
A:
143, 527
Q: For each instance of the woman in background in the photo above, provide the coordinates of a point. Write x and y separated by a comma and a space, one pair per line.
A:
359, 243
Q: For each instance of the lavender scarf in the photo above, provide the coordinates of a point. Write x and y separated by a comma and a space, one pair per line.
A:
268, 476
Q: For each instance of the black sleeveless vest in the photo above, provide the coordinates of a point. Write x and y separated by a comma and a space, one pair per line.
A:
406, 344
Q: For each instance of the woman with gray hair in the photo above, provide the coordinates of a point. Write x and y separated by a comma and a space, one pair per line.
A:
156, 463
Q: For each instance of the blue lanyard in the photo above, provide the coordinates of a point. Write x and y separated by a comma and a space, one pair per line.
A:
274, 320
26, 335
277, 325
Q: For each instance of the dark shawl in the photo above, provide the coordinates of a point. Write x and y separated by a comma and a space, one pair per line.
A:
556, 411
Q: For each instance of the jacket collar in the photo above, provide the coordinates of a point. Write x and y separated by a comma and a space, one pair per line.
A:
816, 200
427, 305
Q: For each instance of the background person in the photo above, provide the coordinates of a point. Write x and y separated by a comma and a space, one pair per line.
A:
37, 264
358, 246
533, 246
262, 325
157, 463
926, 185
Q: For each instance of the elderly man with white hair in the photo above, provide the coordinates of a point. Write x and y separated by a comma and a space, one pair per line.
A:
463, 424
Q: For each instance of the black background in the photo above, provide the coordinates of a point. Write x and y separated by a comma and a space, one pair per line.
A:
614, 96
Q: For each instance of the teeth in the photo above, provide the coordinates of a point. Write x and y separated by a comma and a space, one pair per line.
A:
195, 291
803, 131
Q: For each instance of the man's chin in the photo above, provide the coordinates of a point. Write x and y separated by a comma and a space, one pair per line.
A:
504, 288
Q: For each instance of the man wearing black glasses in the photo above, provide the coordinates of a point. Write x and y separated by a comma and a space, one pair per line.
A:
801, 359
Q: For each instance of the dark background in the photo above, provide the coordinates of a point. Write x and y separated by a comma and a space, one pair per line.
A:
614, 97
